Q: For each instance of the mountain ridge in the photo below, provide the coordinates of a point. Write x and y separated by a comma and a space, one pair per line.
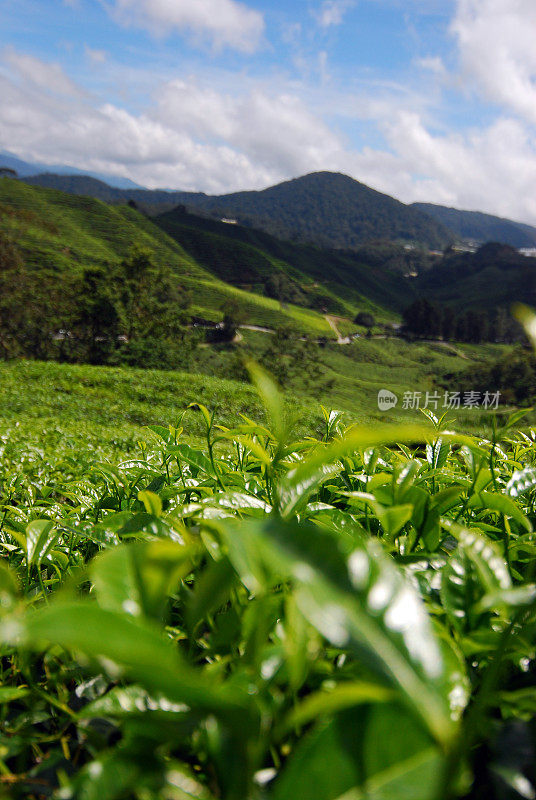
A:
481, 227
274, 282
329, 217
323, 208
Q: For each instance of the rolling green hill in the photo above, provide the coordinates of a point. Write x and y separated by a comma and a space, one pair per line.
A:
325, 279
272, 281
326, 209
66, 234
154, 201
329, 209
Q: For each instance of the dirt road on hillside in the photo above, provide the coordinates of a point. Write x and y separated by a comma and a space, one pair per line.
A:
332, 322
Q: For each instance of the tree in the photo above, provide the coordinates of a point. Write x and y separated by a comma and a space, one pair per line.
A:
282, 288
448, 323
12, 289
475, 326
423, 319
461, 328
232, 318
32, 306
293, 359
98, 322
154, 309
365, 319
281, 353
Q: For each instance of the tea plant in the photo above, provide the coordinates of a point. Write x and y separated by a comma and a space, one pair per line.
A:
265, 617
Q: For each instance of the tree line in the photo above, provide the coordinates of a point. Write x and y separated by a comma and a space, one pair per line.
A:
427, 320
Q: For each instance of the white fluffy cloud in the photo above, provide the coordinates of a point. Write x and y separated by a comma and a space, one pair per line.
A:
492, 169
496, 40
332, 12
40, 74
225, 23
194, 135
275, 131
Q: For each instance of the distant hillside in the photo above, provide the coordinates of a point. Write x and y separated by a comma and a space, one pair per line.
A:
479, 227
496, 275
274, 282
326, 209
325, 278
152, 201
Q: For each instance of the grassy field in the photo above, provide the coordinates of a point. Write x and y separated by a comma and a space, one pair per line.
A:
350, 376
360, 370
50, 406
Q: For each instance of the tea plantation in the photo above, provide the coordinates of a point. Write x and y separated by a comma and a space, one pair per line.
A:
235, 606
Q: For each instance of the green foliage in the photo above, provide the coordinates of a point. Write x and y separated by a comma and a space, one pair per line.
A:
289, 271
268, 616
365, 319
60, 237
292, 358
514, 375
425, 319
133, 312
328, 209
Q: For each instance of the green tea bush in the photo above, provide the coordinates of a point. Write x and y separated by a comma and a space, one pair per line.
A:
265, 618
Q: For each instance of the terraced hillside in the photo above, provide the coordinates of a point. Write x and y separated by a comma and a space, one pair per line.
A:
65, 234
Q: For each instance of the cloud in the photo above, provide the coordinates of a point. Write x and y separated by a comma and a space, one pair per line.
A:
332, 12
96, 56
492, 169
226, 23
496, 44
196, 135
274, 130
433, 64
40, 74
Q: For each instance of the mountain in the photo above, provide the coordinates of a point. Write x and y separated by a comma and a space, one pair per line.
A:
326, 209
153, 201
26, 169
478, 227
273, 282
330, 210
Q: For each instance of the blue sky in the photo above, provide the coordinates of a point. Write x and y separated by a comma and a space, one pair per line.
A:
426, 100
